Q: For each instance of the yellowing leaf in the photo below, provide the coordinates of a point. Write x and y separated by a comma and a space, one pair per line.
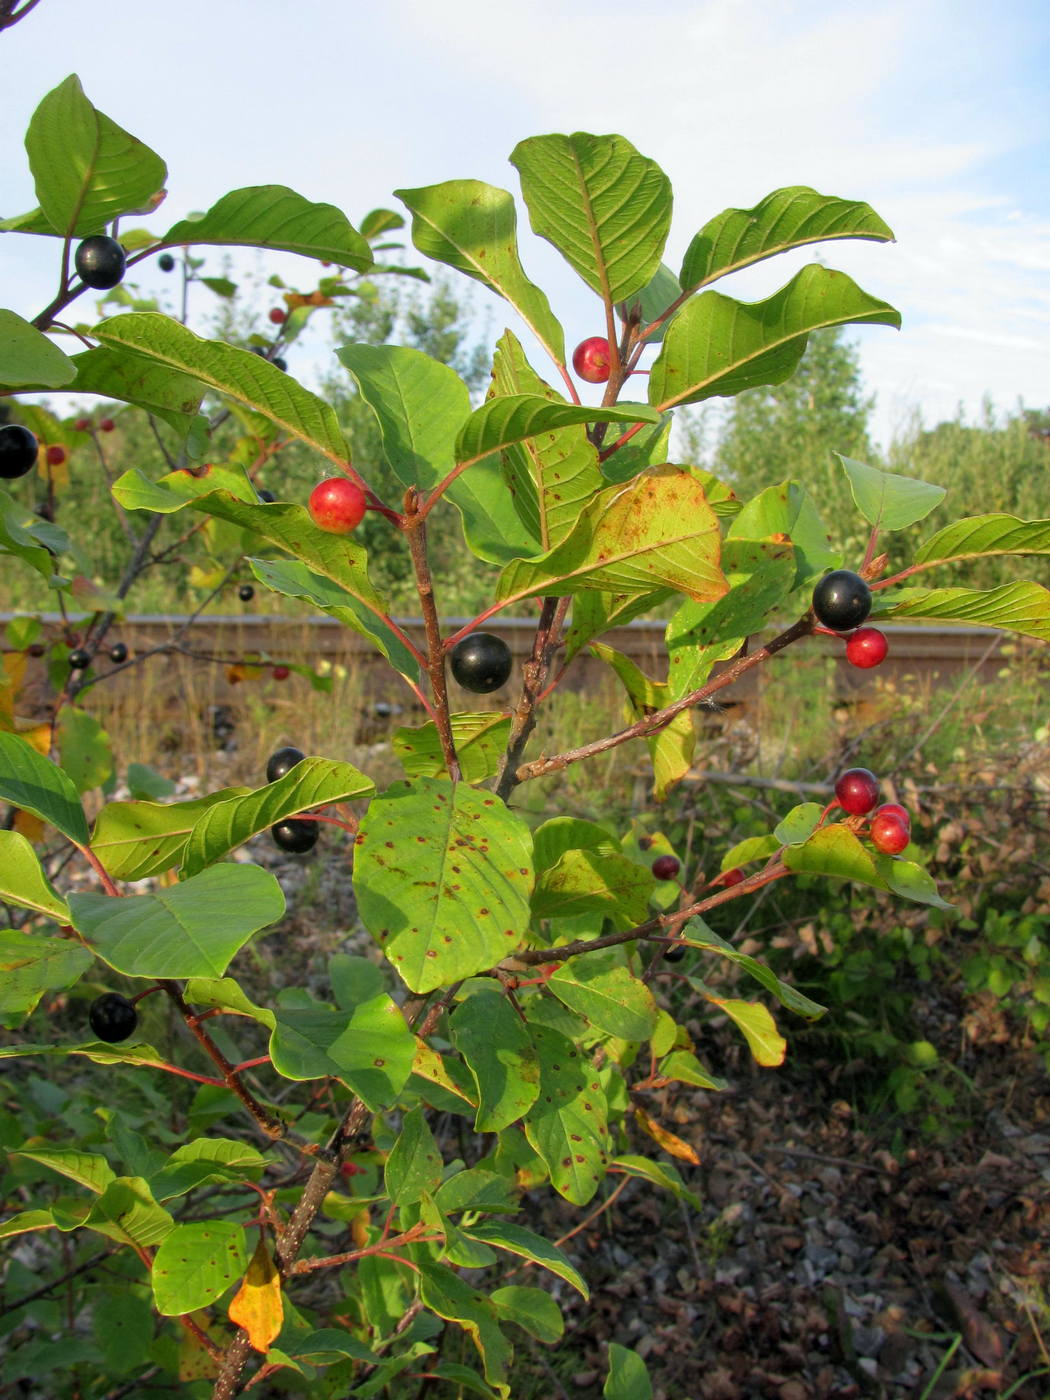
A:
257, 1305
240, 672
760, 1030
29, 826
196, 1363
39, 736
668, 1141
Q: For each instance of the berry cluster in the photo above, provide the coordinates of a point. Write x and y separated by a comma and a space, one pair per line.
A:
889, 825
841, 603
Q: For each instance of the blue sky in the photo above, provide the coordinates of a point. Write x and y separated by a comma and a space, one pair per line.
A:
935, 111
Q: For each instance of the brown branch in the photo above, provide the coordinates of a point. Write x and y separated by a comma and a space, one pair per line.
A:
270, 1125
534, 678
659, 719
415, 528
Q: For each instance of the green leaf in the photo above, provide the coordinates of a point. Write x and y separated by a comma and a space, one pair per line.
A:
25, 1221
87, 753
228, 495
1022, 607
328, 1344
85, 1168
701, 634
223, 992
607, 995
476, 1190
127, 1212
442, 876
551, 476
501, 422
699, 935
122, 1325
472, 227
313, 782
23, 882
87, 170
135, 840
604, 206
785, 509
28, 357
670, 748
534, 1311
190, 930
273, 216
835, 850
414, 1164
687, 1069
480, 742
717, 346
451, 1297
787, 218
515, 1239
567, 1123
371, 1049
911, 881
799, 824
295, 580
628, 1378
983, 535
662, 1174
25, 535
498, 1051
419, 404
121, 374
751, 848
34, 783
888, 500
146, 784
354, 980
246, 378
595, 613
196, 1264
31, 965
655, 531
205, 1160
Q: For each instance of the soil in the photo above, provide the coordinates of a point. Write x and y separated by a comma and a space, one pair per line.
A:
823, 1264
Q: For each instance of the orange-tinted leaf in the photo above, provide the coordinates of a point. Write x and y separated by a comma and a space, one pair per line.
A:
29, 826
668, 1141
257, 1305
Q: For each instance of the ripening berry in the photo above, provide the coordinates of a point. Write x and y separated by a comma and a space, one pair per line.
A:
866, 647
666, 867
888, 833
591, 360
857, 791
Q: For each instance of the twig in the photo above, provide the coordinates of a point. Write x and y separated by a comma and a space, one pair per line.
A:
533, 681
415, 528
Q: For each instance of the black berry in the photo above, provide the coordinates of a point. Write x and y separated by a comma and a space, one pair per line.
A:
481, 662
18, 450
295, 835
841, 600
280, 362
166, 262
246, 593
100, 262
79, 660
676, 953
267, 497
118, 653
282, 762
112, 1017
666, 867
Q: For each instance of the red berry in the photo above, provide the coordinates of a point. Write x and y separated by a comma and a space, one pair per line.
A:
666, 867
857, 791
281, 673
56, 455
591, 360
733, 877
888, 833
866, 647
278, 316
893, 809
107, 425
83, 425
337, 505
